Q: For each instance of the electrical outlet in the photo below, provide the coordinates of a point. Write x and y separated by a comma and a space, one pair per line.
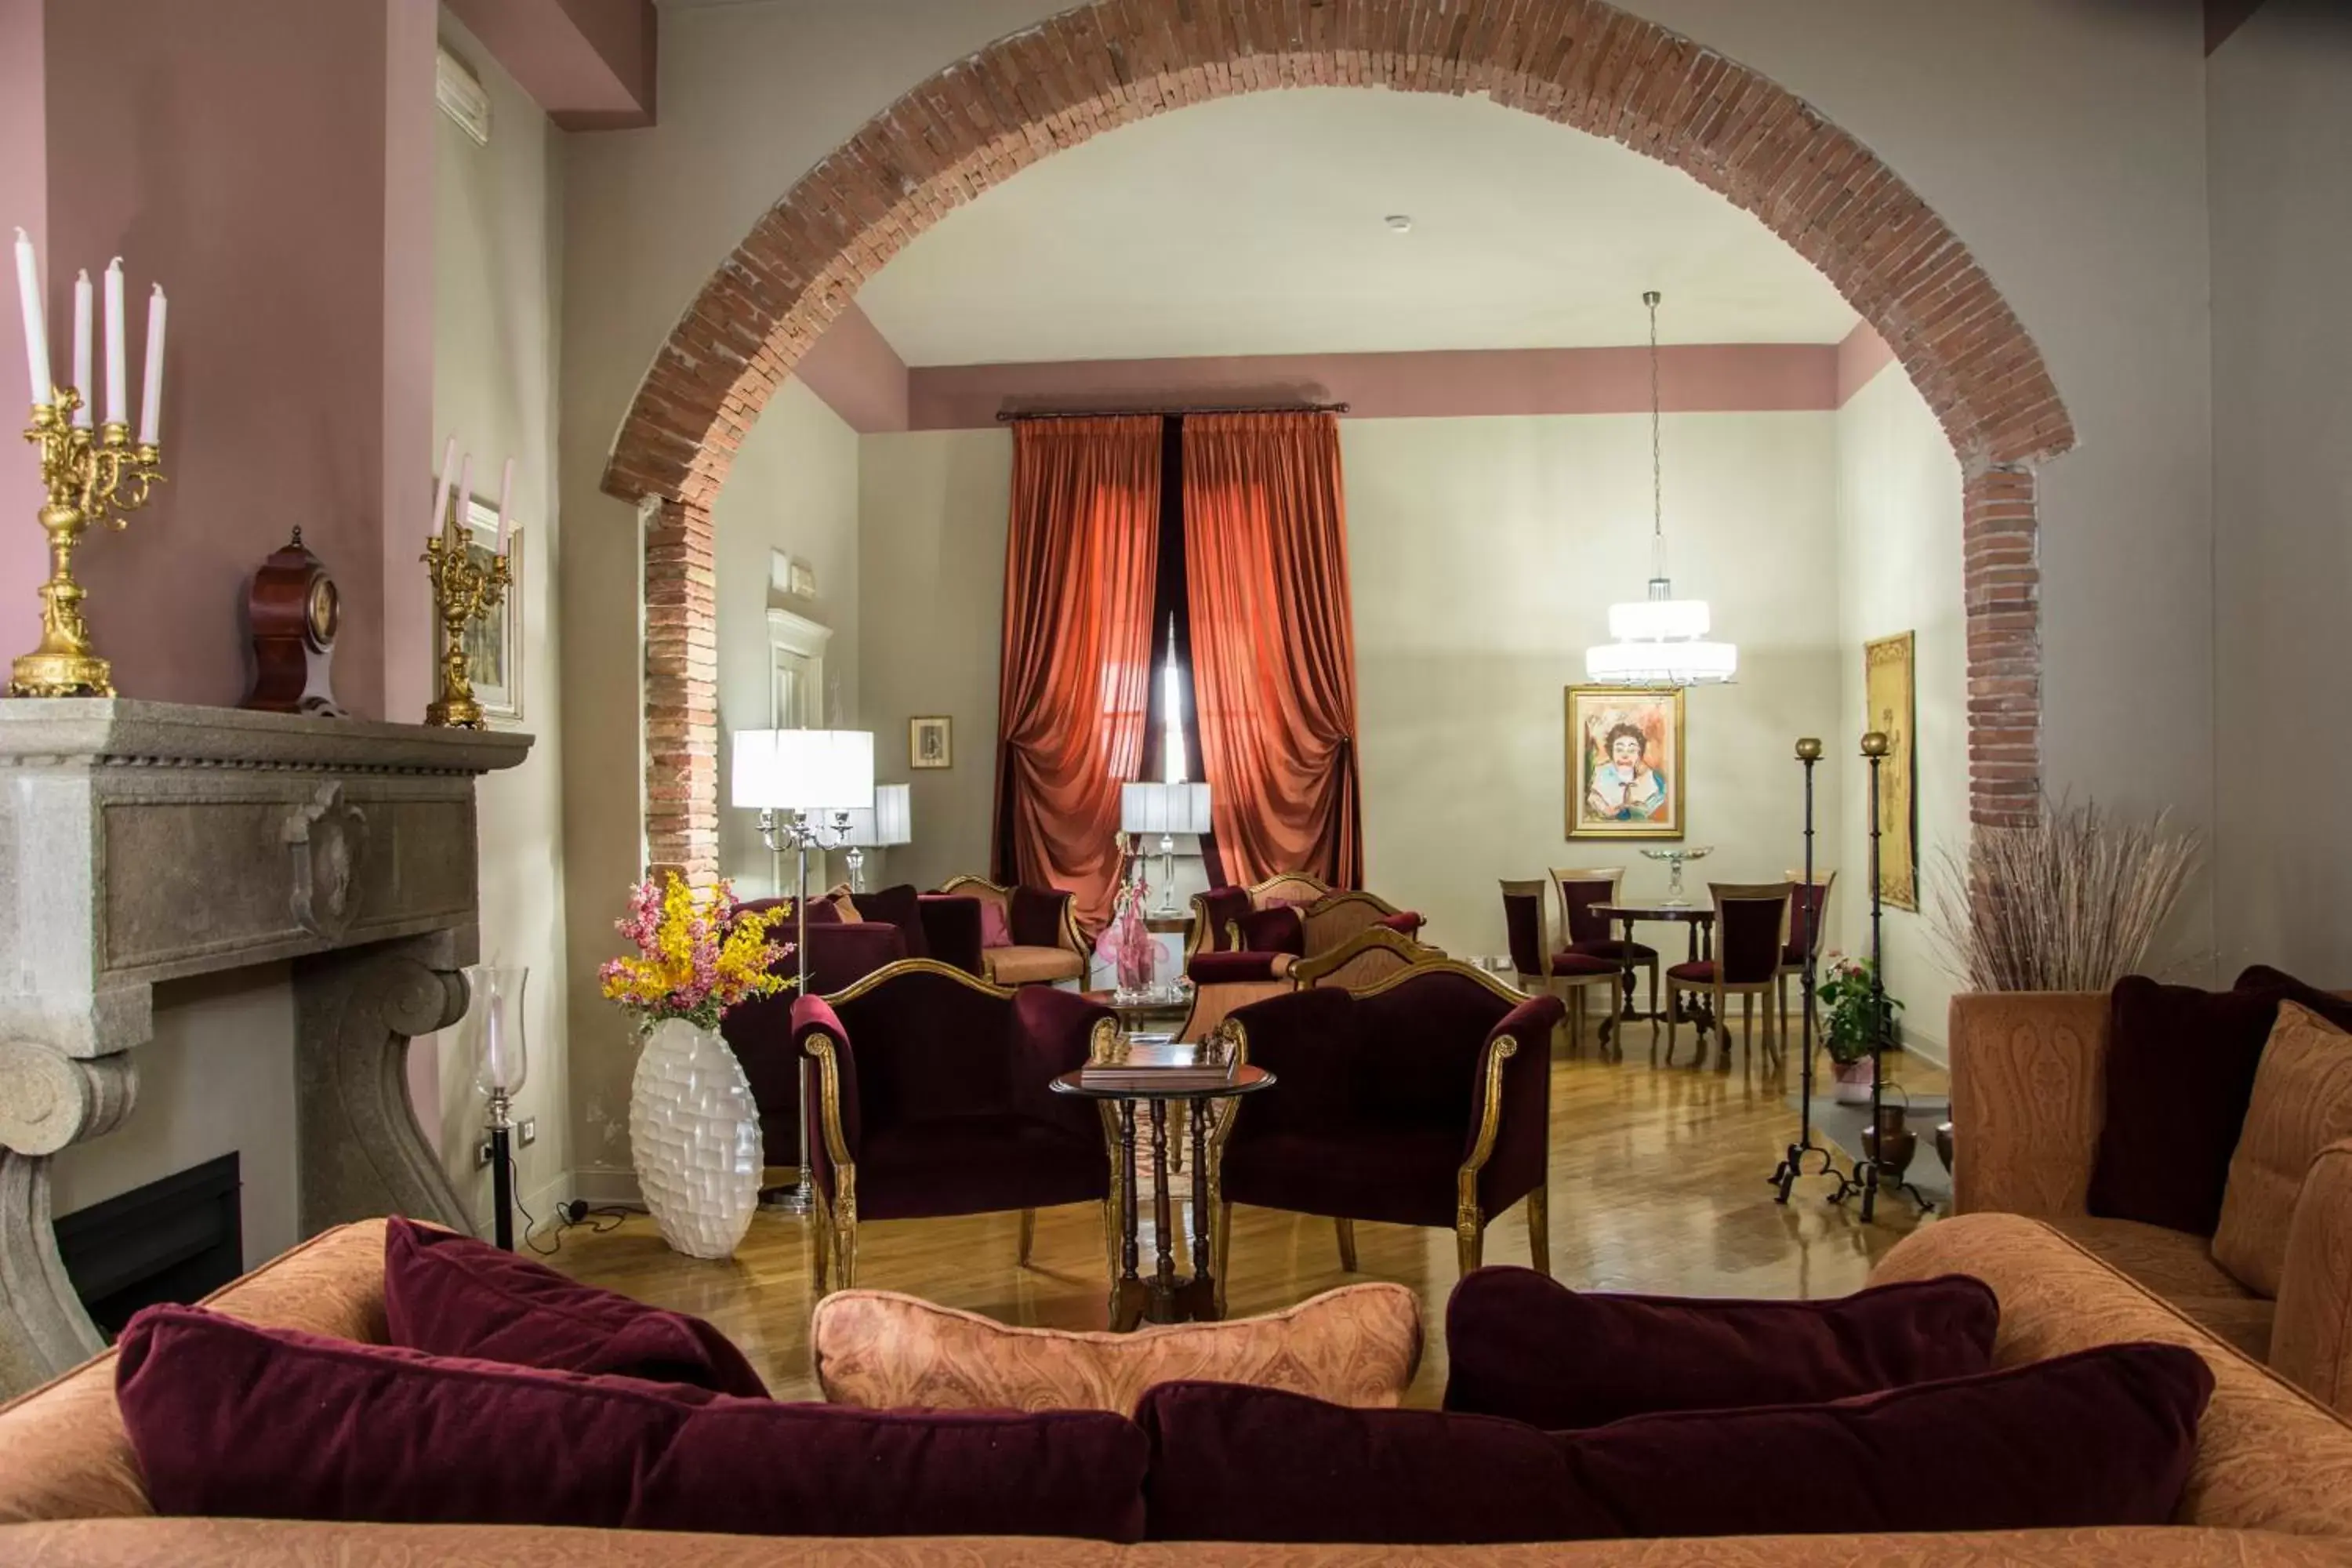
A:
482, 1155
526, 1132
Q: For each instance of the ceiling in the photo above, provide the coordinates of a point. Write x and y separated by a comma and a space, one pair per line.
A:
1257, 225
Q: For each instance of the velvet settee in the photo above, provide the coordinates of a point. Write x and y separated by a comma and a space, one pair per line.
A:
931, 1095
2029, 1101
2271, 1486
1029, 936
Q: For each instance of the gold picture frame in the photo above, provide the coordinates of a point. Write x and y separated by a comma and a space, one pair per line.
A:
930, 742
1608, 797
1890, 697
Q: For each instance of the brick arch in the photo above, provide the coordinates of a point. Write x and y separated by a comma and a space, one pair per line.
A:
1581, 63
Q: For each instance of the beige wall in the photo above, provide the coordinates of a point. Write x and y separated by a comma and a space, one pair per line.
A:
1898, 516
1485, 553
794, 489
933, 511
498, 285
2281, 121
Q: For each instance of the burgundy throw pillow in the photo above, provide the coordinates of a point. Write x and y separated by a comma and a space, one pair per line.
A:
2103, 1436
450, 1295
1521, 1344
2337, 1010
1275, 930
900, 906
2180, 1071
230, 1419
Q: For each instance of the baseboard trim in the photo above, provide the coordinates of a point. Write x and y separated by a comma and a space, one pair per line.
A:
607, 1187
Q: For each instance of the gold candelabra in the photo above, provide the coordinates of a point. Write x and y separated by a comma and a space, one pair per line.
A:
463, 592
91, 477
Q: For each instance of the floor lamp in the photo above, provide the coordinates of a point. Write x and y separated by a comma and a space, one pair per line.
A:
494, 1021
890, 820
797, 780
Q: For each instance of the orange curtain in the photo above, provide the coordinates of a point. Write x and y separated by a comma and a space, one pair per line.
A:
1274, 643
1078, 563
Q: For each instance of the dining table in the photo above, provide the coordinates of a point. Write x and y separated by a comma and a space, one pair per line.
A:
1698, 921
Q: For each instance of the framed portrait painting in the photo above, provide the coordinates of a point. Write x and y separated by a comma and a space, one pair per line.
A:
929, 742
1625, 762
1890, 689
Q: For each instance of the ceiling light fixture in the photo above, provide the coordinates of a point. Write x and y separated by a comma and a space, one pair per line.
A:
1401, 223
1661, 640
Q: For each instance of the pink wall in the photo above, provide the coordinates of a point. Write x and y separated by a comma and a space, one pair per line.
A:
23, 202
238, 152
858, 375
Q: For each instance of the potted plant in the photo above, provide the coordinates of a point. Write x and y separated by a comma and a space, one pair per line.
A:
1851, 1023
694, 1131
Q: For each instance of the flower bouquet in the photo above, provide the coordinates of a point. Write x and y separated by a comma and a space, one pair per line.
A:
698, 955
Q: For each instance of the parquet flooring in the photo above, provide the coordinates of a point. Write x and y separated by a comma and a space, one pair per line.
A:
1658, 1185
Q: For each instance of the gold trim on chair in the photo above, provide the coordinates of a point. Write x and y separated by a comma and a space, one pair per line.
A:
860, 986
1510, 993
1281, 881
1307, 972
1469, 1221
1073, 937
836, 1228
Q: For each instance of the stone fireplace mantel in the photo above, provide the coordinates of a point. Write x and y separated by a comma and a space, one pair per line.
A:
141, 842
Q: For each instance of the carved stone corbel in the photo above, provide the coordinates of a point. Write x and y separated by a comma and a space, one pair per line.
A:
47, 1101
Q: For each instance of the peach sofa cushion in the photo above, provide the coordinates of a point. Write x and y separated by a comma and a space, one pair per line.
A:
1019, 966
1357, 1345
2303, 1102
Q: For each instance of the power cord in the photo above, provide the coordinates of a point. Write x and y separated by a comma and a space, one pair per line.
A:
568, 1213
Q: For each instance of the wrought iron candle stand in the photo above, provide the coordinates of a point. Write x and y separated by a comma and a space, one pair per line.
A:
463, 592
90, 476
1792, 1164
1870, 1173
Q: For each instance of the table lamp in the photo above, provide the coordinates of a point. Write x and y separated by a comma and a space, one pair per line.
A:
1166, 809
812, 775
889, 820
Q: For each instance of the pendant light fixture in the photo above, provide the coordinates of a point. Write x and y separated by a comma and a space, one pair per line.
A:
1661, 640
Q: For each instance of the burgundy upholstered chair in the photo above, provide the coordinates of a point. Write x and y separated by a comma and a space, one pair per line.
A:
1034, 938
1555, 972
1750, 922
1595, 935
1423, 1099
1809, 919
932, 1098
760, 1032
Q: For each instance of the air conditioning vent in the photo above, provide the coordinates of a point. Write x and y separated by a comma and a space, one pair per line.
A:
461, 96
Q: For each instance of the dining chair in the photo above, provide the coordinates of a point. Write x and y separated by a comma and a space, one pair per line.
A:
1809, 918
1591, 933
1750, 939
1546, 969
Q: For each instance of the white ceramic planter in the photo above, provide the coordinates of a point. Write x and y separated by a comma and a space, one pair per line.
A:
1854, 1081
694, 1137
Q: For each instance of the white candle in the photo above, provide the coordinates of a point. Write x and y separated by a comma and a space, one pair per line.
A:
37, 331
464, 494
441, 490
151, 401
505, 493
118, 379
81, 347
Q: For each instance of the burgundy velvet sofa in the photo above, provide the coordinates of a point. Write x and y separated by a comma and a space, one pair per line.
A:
1423, 1098
931, 1097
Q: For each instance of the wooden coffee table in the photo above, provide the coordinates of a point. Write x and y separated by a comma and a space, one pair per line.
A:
1163, 1299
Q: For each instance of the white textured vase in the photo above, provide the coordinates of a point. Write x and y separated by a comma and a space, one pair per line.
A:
694, 1137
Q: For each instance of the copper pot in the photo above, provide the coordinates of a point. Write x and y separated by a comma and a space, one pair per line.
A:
1900, 1143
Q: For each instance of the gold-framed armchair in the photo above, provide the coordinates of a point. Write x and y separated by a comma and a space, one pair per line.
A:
1043, 943
1371, 955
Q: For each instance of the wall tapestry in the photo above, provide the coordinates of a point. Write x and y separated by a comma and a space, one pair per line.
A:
1889, 693
1625, 762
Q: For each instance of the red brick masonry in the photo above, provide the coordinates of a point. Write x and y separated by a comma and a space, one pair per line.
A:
1584, 64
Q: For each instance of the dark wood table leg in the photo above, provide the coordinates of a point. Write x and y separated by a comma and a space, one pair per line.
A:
1129, 1292
1162, 1306
1203, 1291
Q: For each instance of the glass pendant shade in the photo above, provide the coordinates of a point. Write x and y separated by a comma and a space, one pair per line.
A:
494, 1027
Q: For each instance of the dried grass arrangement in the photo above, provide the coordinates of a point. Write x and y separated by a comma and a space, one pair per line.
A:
2073, 902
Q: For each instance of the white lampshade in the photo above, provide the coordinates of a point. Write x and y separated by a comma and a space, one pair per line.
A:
1163, 808
804, 770
889, 820
1655, 620
1662, 662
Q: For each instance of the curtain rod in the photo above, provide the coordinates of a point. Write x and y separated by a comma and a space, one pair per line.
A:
1015, 416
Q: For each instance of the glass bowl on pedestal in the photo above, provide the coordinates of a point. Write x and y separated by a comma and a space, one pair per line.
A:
1675, 899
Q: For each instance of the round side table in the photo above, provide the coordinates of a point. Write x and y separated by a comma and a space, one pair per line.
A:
1163, 1299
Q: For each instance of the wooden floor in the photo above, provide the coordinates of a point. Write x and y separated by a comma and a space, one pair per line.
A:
1658, 1183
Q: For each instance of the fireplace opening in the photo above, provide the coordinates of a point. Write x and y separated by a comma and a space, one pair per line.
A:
176, 1239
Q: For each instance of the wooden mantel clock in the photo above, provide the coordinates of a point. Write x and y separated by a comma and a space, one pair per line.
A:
293, 610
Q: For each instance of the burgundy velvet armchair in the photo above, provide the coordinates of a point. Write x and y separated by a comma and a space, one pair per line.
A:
931, 1098
760, 1032
1422, 1099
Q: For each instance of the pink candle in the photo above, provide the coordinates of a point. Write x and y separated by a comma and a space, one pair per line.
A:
506, 494
117, 378
441, 491
151, 398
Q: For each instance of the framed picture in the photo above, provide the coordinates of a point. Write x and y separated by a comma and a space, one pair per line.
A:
494, 643
1887, 679
1625, 762
929, 744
